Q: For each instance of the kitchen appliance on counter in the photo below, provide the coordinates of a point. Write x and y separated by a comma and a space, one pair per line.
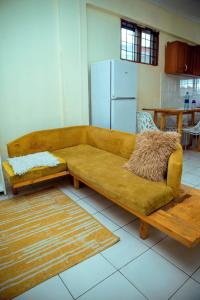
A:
113, 95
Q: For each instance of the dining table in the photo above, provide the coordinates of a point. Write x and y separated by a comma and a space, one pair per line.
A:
169, 111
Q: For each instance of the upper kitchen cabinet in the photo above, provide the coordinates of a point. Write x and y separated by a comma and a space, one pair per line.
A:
177, 58
195, 60
181, 58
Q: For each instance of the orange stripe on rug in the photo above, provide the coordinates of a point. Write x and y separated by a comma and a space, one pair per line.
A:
43, 234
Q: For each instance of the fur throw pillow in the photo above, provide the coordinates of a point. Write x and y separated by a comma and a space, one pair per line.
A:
151, 155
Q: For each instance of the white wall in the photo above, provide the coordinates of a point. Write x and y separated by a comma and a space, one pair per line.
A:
73, 61
42, 66
146, 13
29, 95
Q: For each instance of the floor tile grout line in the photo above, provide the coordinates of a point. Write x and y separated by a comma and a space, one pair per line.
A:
118, 269
134, 236
95, 207
170, 262
130, 261
198, 268
85, 197
120, 227
65, 285
93, 192
194, 273
150, 248
96, 285
134, 285
190, 277
178, 288
195, 280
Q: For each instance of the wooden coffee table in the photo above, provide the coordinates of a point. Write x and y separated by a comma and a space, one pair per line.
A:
180, 219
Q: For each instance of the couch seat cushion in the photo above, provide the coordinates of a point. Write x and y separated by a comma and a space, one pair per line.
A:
104, 171
34, 172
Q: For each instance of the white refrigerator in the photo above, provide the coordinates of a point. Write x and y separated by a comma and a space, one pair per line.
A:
113, 95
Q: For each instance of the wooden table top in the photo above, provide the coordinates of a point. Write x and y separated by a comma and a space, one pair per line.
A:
173, 110
180, 219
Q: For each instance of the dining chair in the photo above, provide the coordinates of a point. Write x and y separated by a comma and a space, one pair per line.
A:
145, 122
194, 132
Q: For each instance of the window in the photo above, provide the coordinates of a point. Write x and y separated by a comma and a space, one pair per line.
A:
139, 44
191, 85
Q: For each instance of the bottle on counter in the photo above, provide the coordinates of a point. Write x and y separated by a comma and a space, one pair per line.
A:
187, 101
194, 102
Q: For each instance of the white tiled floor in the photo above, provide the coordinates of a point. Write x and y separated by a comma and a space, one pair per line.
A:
50, 289
88, 273
154, 276
127, 249
118, 215
156, 268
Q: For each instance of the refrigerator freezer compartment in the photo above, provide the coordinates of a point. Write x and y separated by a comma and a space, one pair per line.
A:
123, 79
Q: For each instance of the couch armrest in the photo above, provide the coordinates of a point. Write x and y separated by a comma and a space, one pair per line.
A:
174, 171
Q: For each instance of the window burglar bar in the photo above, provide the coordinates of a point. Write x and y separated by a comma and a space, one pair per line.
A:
139, 44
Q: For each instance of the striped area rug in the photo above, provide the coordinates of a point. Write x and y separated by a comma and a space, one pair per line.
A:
43, 234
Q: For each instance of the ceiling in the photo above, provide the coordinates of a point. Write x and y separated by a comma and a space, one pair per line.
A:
186, 8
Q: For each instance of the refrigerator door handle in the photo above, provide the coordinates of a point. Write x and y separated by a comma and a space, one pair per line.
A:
121, 98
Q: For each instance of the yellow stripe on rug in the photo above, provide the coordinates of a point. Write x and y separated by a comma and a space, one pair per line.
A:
43, 234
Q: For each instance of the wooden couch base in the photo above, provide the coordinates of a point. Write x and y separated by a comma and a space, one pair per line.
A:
18, 185
180, 219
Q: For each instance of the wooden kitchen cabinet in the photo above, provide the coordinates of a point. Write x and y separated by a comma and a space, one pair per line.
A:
195, 60
177, 58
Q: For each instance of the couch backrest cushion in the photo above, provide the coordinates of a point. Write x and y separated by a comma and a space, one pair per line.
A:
47, 140
117, 142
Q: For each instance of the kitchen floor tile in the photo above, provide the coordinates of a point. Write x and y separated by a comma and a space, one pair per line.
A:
118, 215
189, 291
106, 222
50, 289
85, 275
116, 287
187, 259
154, 235
125, 250
154, 276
